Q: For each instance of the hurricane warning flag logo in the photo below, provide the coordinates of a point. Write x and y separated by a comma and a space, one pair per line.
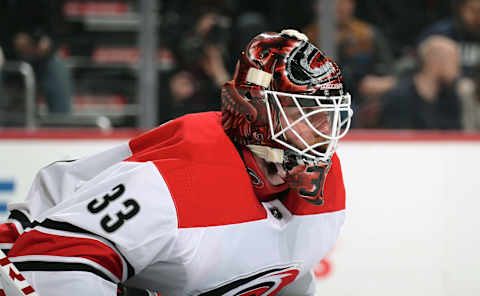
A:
261, 283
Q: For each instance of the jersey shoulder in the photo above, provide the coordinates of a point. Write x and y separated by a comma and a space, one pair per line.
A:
113, 225
131, 197
202, 169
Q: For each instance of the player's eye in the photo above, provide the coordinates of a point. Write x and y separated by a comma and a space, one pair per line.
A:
304, 102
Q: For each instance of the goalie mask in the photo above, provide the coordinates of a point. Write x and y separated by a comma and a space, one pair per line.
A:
286, 101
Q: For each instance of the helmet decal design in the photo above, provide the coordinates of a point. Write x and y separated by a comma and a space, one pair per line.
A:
307, 65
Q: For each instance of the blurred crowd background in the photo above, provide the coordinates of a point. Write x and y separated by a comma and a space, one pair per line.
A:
412, 64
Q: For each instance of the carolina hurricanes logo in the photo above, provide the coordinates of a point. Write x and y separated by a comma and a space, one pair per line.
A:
307, 65
262, 283
256, 180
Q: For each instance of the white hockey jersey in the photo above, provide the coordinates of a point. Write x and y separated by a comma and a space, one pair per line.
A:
172, 211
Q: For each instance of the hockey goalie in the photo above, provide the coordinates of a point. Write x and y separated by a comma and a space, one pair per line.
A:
239, 202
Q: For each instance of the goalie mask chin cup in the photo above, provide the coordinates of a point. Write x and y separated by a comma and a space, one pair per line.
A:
280, 74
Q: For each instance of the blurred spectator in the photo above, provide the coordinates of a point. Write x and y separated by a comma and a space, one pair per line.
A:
280, 14
3, 40
202, 72
464, 28
427, 99
469, 90
363, 52
2, 59
32, 38
247, 25
402, 20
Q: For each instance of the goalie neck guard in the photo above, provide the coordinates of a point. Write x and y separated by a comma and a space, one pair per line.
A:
278, 73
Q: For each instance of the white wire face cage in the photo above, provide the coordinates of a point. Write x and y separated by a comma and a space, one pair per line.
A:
313, 112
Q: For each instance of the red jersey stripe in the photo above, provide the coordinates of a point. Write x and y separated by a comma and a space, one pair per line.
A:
8, 233
38, 243
204, 172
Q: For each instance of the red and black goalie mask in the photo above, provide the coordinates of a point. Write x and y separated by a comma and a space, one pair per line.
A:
287, 94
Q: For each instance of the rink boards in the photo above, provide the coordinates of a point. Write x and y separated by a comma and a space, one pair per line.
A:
412, 206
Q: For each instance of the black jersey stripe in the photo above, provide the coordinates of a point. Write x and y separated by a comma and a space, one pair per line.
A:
65, 226
60, 266
20, 217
